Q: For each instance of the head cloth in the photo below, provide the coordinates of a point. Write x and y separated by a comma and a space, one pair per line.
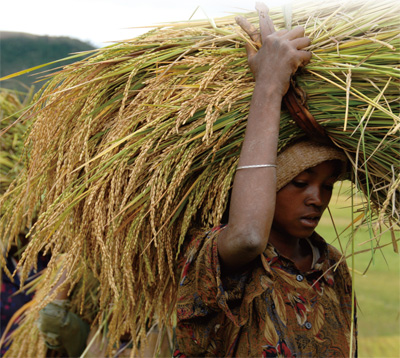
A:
303, 155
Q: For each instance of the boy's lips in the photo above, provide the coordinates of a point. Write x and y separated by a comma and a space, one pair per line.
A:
311, 220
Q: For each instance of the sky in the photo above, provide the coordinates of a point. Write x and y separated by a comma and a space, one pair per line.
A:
100, 22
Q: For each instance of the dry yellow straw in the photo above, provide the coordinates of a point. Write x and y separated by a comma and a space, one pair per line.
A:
139, 142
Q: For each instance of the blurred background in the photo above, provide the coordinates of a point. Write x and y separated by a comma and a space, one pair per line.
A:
36, 32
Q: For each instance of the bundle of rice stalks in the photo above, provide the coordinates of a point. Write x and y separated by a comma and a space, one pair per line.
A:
139, 142
12, 135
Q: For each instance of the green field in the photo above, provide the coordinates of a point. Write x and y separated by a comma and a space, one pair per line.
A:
377, 289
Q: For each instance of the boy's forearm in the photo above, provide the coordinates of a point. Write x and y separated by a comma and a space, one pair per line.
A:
253, 194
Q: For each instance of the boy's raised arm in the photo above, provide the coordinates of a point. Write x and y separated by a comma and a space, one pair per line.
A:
253, 196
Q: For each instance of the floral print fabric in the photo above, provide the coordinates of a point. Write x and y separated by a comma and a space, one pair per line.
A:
271, 310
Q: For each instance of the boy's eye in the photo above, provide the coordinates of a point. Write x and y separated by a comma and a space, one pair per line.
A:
299, 184
328, 187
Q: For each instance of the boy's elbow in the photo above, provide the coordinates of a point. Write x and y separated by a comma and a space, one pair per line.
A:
237, 248
251, 243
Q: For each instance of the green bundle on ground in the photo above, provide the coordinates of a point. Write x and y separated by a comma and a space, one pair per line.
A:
139, 142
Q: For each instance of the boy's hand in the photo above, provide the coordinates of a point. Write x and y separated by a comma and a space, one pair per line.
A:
281, 53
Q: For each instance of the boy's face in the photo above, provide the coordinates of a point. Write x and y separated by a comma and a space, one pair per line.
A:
301, 203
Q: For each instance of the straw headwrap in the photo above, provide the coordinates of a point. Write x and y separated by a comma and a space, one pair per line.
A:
301, 156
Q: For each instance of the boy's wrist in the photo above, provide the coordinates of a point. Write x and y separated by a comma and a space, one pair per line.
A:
271, 91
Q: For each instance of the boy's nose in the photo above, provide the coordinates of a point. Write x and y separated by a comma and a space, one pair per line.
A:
314, 196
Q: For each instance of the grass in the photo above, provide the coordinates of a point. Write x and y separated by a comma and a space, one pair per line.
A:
378, 290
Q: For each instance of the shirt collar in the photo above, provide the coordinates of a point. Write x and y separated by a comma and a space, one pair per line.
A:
321, 264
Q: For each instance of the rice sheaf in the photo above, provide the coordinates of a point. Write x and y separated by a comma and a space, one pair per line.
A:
137, 143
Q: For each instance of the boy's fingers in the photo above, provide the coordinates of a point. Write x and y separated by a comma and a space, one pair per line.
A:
266, 24
249, 29
250, 50
304, 58
282, 32
298, 31
301, 42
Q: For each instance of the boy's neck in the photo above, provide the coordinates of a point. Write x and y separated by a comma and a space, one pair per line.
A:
295, 249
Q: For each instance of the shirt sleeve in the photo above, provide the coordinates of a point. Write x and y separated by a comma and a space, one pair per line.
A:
208, 300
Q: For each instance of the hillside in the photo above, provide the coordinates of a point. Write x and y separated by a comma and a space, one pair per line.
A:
19, 51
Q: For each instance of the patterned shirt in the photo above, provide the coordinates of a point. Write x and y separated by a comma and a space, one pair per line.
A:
270, 310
